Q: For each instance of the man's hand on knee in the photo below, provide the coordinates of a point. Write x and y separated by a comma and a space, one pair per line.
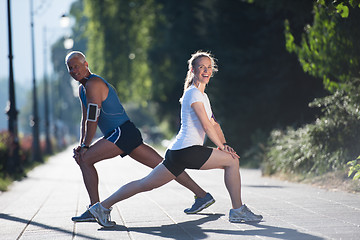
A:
78, 154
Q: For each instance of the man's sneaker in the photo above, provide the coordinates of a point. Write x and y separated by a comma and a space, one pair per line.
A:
243, 214
200, 204
85, 217
102, 215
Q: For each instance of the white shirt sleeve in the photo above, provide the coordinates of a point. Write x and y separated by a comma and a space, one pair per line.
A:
195, 96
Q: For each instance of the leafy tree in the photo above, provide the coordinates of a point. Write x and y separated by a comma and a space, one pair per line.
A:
118, 35
65, 105
328, 50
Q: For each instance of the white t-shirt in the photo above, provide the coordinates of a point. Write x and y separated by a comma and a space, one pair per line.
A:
191, 131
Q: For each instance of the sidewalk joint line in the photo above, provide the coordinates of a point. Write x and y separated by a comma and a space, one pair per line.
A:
173, 220
29, 222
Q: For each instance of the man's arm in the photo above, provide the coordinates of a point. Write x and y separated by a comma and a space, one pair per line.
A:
83, 119
95, 92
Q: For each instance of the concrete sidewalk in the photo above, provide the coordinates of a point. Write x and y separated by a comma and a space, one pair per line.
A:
41, 207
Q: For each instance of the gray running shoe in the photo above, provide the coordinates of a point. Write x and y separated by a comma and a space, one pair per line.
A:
243, 214
102, 215
85, 217
200, 204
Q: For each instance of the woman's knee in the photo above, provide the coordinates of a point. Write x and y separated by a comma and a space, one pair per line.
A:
233, 162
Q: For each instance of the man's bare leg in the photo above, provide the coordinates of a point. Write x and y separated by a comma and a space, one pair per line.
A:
102, 149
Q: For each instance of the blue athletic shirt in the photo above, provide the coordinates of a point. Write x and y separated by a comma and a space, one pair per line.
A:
112, 113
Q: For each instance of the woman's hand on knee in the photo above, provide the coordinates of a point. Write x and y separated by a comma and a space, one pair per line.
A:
230, 150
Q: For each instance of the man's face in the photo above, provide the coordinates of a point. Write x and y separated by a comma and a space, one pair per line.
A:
77, 69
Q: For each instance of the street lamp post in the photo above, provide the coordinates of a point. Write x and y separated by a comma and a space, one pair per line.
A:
13, 160
48, 147
36, 152
64, 23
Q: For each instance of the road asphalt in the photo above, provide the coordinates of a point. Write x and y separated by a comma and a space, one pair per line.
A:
41, 207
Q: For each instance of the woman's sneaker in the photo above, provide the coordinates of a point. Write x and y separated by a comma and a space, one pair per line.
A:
243, 214
85, 217
102, 215
200, 204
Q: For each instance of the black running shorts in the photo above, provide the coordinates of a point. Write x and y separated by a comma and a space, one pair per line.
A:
127, 137
176, 161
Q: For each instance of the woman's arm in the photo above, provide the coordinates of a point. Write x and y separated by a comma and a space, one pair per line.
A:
211, 131
218, 130
206, 124
221, 135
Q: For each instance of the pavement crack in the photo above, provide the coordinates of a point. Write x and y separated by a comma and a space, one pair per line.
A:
31, 219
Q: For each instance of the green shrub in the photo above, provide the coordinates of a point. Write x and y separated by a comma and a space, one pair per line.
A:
354, 170
24, 152
3, 150
326, 145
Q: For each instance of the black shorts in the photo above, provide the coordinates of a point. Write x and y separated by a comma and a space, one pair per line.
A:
127, 137
176, 161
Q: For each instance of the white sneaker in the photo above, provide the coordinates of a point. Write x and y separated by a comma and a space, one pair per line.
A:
85, 217
243, 214
102, 215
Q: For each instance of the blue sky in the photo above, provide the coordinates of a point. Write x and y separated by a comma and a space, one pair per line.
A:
47, 14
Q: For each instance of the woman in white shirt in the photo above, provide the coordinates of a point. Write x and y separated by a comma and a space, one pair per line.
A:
187, 150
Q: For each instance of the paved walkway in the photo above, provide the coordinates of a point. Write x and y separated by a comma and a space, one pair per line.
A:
40, 207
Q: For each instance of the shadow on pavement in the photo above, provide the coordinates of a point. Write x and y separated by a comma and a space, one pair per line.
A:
277, 232
44, 226
180, 230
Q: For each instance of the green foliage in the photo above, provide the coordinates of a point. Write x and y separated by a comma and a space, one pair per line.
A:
339, 6
5, 177
343, 10
64, 104
329, 49
354, 168
323, 146
118, 41
3, 150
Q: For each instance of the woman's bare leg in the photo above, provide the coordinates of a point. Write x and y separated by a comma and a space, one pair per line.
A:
146, 155
223, 160
156, 178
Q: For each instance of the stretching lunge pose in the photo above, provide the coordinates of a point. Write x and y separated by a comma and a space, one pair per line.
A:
102, 107
187, 151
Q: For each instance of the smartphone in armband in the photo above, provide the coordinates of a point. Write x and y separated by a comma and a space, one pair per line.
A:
93, 112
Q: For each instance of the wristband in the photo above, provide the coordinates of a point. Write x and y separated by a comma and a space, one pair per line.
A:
221, 149
84, 146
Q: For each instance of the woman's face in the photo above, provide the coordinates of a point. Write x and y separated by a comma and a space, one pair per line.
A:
202, 70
